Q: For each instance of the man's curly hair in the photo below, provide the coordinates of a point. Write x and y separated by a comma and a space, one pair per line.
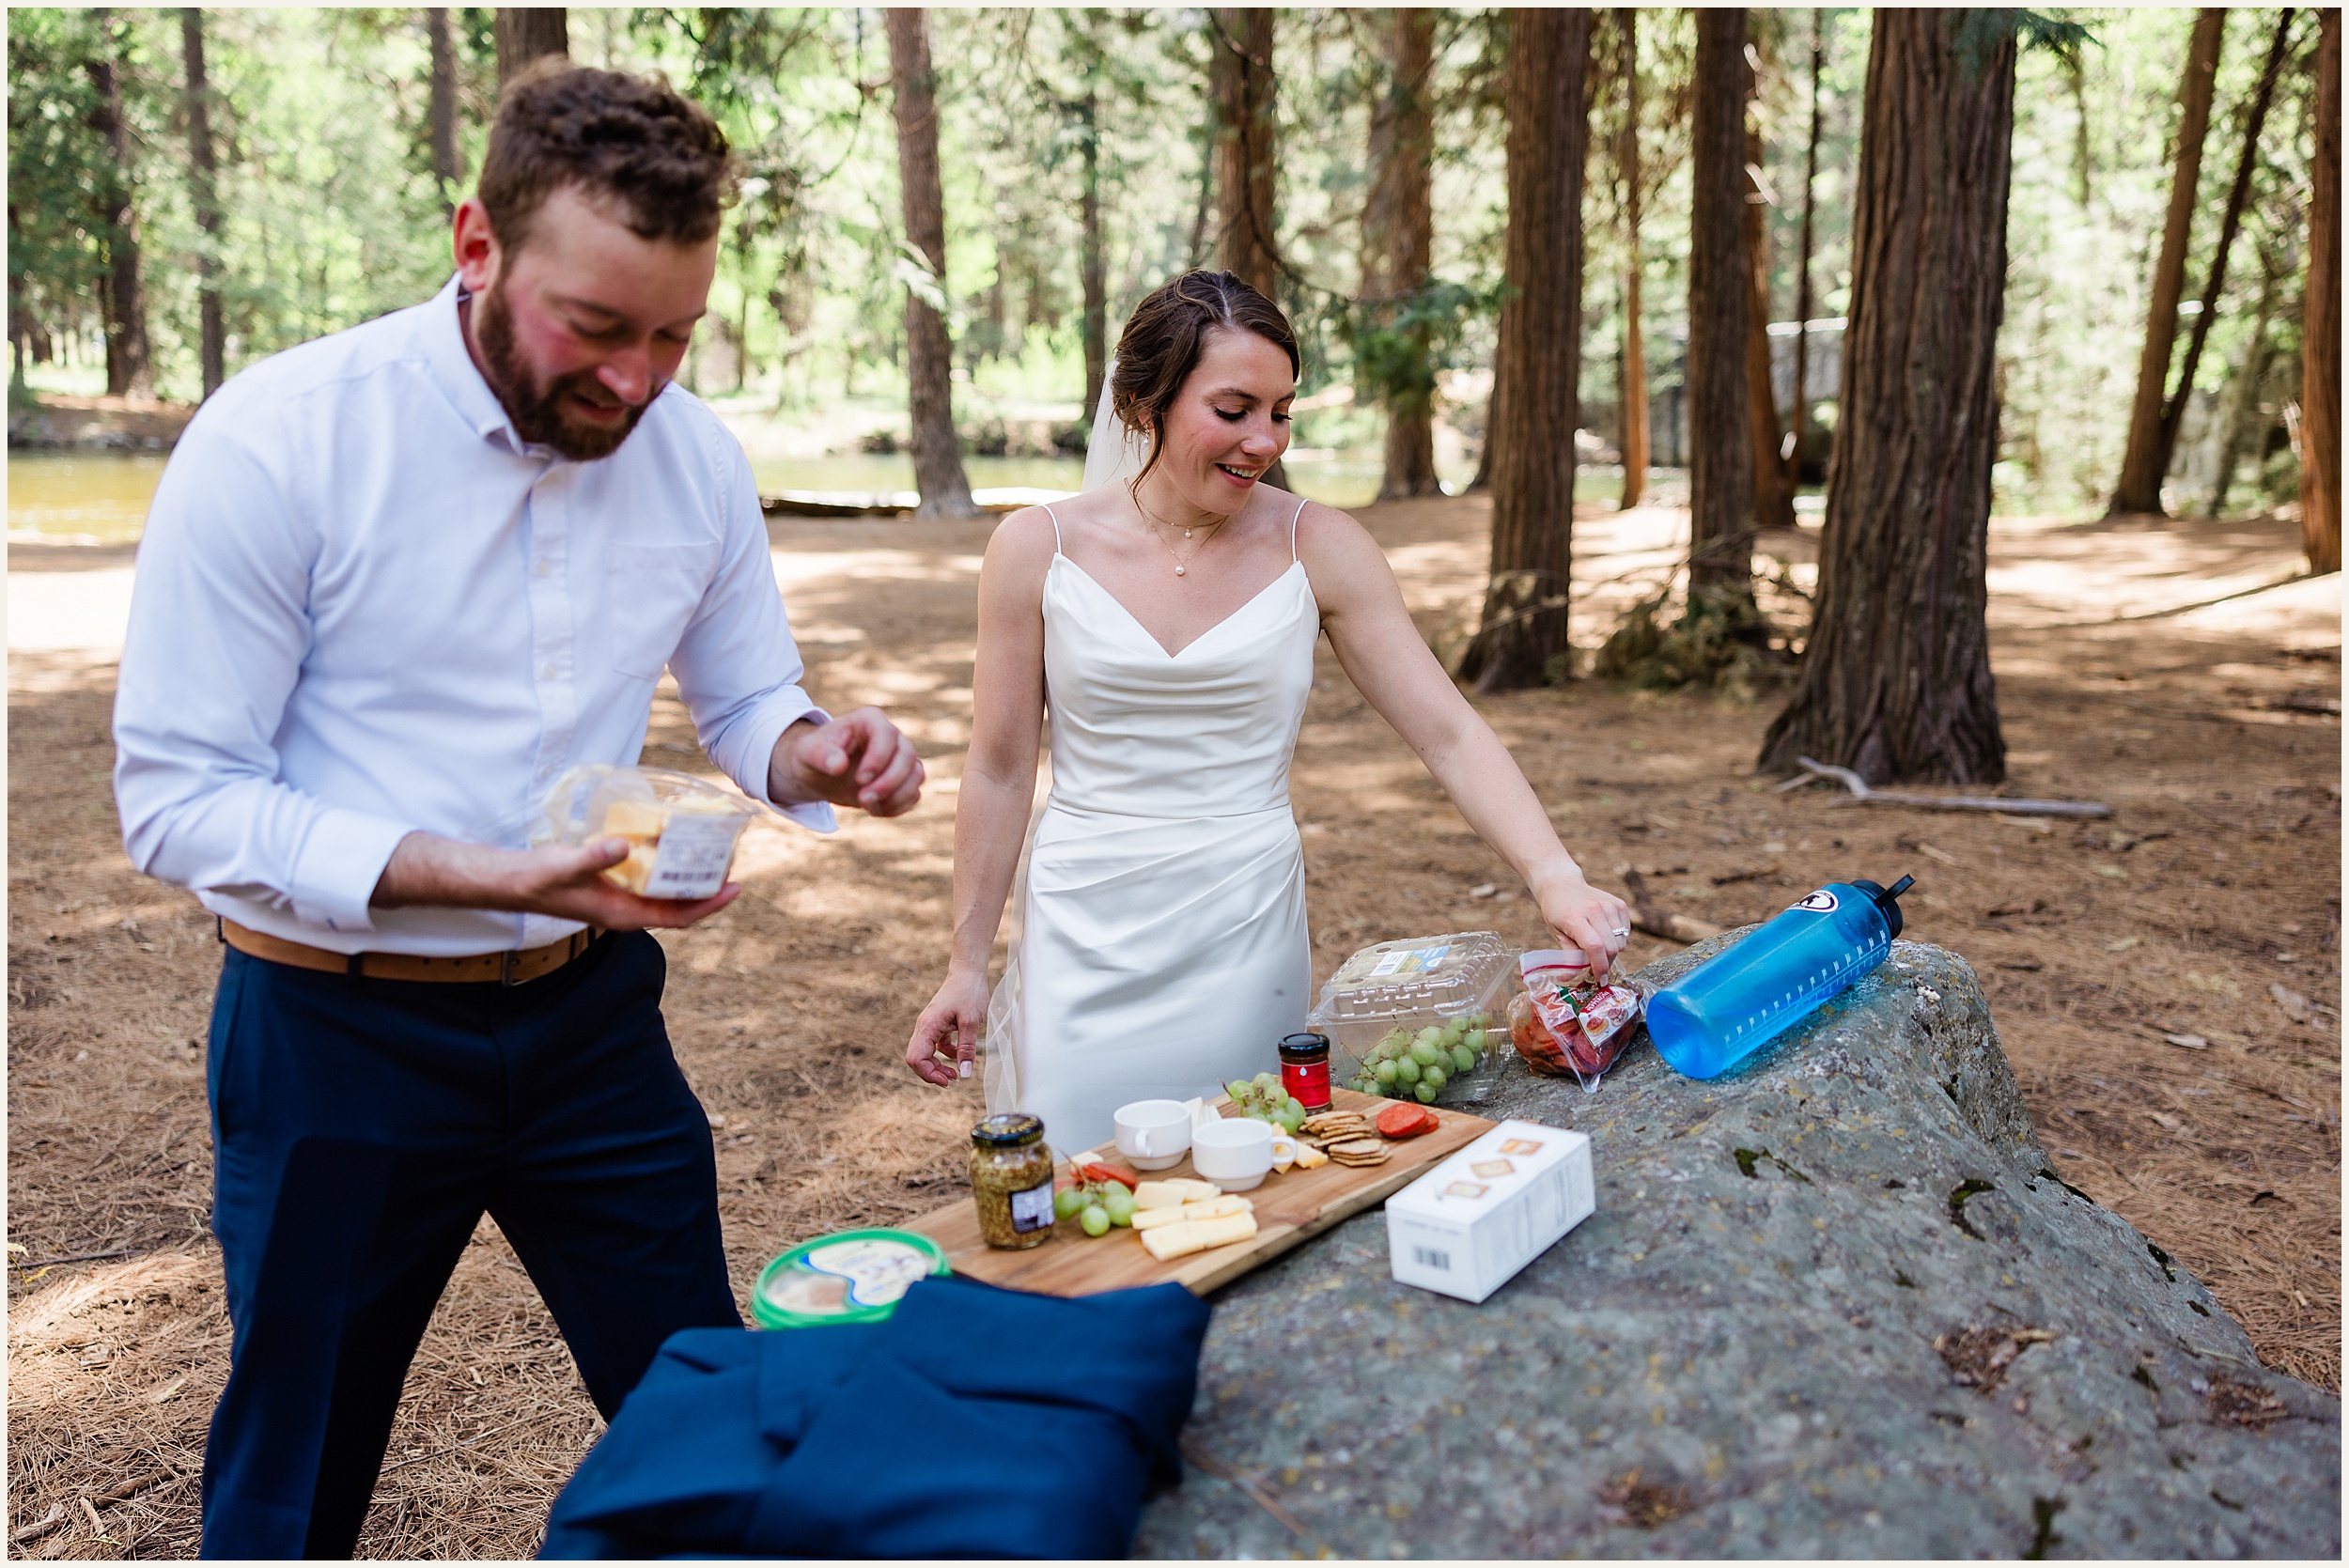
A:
630, 140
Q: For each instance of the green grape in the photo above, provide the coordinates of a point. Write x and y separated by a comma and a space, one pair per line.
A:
1095, 1219
1435, 1078
1474, 1039
1394, 1039
1427, 1036
1292, 1118
1462, 1059
1266, 1080
1366, 1085
1426, 1052
1238, 1091
1426, 1095
1119, 1206
1066, 1202
1385, 1073
1408, 1070
1454, 1028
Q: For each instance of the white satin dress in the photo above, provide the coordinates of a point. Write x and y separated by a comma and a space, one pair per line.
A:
1162, 949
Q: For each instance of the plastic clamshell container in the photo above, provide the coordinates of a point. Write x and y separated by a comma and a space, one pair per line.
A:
1411, 983
847, 1277
682, 830
1466, 1227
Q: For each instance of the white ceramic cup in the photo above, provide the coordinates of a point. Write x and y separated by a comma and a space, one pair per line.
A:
1237, 1152
1154, 1134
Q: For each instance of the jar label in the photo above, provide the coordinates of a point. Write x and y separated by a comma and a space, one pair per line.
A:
1307, 1082
1032, 1210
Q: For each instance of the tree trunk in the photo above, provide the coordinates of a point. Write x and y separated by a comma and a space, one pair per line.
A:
1896, 678
1720, 304
1633, 422
1398, 228
1240, 83
1799, 417
2076, 78
204, 192
1092, 271
2141, 466
2174, 413
522, 33
2243, 393
1773, 502
2320, 321
1522, 639
1241, 79
130, 368
442, 109
929, 356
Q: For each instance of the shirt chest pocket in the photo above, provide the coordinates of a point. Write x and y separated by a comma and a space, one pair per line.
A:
650, 594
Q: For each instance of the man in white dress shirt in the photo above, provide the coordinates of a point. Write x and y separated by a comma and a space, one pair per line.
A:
394, 583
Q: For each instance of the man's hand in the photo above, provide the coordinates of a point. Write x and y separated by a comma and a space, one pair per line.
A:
858, 759
554, 880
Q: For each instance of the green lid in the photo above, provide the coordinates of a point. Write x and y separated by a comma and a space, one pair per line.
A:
847, 1277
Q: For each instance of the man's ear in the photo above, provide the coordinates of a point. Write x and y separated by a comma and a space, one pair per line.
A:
478, 255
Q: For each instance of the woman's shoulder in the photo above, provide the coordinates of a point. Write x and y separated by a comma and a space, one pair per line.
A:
1324, 533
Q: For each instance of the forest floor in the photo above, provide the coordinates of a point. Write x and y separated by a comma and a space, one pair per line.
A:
2166, 982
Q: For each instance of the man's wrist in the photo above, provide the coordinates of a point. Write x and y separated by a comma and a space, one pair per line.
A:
786, 786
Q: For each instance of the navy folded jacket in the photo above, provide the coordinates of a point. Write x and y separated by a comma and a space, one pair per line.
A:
975, 1421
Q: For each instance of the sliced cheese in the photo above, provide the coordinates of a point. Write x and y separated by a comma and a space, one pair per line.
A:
1172, 1191
635, 872
1309, 1158
634, 819
1197, 1236
1211, 1208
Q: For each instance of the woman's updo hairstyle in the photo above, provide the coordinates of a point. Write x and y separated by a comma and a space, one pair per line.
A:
1161, 346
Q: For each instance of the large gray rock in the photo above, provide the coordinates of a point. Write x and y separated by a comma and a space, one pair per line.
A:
1749, 1323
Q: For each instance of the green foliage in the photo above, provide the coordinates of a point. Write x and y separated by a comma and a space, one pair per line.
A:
1718, 643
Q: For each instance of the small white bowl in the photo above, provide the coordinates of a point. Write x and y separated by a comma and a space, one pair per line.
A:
1235, 1153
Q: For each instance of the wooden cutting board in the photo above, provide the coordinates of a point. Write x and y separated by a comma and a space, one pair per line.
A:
1290, 1207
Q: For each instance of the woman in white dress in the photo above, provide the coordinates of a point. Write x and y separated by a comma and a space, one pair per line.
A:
1169, 623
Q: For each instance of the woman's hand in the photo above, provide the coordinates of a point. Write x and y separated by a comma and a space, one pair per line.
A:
1580, 915
947, 1037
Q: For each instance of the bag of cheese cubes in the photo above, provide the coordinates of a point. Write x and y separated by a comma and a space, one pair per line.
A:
681, 829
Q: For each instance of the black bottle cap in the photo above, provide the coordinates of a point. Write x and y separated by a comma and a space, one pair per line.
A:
1888, 899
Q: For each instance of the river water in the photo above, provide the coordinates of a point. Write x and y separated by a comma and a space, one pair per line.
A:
101, 498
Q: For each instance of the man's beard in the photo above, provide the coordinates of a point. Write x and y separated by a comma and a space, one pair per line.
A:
538, 411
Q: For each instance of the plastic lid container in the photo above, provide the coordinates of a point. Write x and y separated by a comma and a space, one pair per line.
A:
847, 1277
1443, 976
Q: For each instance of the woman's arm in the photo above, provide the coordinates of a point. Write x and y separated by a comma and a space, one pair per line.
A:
1363, 611
998, 787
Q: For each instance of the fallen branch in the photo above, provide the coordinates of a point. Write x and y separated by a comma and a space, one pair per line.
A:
122, 1492
1648, 916
79, 1257
1816, 771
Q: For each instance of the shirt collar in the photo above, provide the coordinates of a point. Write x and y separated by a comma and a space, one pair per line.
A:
453, 366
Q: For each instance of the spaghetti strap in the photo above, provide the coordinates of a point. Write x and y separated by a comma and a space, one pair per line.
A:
1293, 517
1055, 517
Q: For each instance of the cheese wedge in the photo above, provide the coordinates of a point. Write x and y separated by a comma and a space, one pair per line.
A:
1211, 1208
634, 819
1173, 1190
1309, 1158
633, 874
1197, 1236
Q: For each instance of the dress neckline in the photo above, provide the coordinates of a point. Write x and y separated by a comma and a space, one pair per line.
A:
1150, 637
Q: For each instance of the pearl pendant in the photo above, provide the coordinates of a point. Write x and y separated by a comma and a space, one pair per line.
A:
1178, 571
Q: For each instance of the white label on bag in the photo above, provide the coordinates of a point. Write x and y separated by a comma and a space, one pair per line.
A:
693, 855
1410, 960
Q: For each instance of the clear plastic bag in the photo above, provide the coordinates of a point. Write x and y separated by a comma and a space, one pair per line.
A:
682, 830
1569, 1021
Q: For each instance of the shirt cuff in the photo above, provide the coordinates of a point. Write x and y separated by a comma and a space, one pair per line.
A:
342, 859
816, 816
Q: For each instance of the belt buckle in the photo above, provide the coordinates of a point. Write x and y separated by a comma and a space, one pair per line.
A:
505, 967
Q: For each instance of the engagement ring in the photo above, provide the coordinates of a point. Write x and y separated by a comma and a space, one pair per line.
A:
1622, 931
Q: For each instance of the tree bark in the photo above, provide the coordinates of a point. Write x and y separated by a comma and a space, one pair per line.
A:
1634, 431
2174, 413
2243, 393
1896, 679
1397, 232
1094, 329
1241, 80
2141, 466
1799, 417
522, 33
1522, 636
130, 366
204, 191
442, 107
2320, 322
929, 355
1721, 304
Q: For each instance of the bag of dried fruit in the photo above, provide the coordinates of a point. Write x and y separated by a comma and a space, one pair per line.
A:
1572, 1020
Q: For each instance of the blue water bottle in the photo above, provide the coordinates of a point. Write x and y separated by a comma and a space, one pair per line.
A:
1734, 1003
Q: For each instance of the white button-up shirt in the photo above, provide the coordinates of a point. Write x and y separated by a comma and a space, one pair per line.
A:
365, 606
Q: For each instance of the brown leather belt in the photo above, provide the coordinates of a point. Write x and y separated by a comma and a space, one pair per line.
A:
500, 969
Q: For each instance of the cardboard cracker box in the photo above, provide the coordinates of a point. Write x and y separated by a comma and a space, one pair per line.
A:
1469, 1224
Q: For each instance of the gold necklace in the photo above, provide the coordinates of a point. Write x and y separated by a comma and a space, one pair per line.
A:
1182, 563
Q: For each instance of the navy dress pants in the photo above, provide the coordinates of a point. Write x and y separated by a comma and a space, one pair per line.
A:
359, 1130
